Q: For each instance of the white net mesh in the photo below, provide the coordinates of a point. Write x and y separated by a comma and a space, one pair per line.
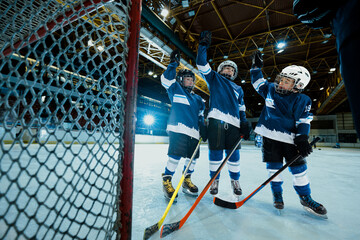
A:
62, 66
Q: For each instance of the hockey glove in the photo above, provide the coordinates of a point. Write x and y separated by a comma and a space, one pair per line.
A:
175, 56
205, 38
303, 145
245, 130
203, 131
257, 60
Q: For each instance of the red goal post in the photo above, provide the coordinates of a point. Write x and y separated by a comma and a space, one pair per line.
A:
68, 86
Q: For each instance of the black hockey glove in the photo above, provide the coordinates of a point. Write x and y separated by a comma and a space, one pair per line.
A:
303, 145
205, 38
175, 56
203, 131
245, 130
257, 60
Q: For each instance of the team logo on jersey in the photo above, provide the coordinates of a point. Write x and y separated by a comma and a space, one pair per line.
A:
269, 102
178, 98
308, 108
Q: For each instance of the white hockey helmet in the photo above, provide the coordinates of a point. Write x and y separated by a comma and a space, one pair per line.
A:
231, 64
300, 75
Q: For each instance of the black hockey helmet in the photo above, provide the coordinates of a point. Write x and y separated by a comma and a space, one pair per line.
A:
185, 73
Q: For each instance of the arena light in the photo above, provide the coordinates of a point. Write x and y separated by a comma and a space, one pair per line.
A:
90, 43
155, 76
149, 120
150, 73
164, 12
185, 3
332, 69
322, 88
243, 81
281, 45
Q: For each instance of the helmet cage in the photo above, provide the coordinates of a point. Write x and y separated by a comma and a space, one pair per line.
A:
185, 73
228, 63
299, 74
281, 90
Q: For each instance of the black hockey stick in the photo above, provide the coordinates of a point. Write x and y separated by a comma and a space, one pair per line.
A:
154, 228
235, 205
169, 228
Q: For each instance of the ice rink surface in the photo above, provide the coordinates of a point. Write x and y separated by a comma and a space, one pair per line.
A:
334, 178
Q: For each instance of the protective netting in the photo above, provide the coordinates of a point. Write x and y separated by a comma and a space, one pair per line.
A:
61, 117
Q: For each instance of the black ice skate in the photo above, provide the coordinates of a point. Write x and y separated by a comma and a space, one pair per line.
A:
188, 187
214, 188
167, 187
313, 207
236, 187
278, 200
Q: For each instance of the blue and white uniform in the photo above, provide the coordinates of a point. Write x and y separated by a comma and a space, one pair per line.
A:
186, 107
227, 106
187, 110
282, 119
284, 116
226, 98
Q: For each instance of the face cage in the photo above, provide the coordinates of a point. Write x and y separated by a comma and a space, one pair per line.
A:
188, 88
228, 75
284, 91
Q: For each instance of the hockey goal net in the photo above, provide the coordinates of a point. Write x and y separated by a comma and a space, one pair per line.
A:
62, 109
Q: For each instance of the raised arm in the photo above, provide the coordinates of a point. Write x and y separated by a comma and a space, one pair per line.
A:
169, 76
257, 78
201, 58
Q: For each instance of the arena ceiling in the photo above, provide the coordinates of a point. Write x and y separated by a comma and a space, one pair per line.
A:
238, 29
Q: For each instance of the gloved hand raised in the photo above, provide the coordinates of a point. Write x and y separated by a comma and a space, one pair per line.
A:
257, 60
175, 56
205, 38
245, 130
302, 145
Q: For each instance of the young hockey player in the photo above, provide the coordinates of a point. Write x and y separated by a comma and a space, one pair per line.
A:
226, 117
285, 125
186, 123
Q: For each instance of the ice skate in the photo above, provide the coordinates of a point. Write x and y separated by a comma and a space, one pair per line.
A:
278, 200
313, 207
188, 187
214, 188
236, 187
167, 187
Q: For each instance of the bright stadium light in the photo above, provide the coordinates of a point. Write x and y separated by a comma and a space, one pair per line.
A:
149, 120
164, 12
281, 45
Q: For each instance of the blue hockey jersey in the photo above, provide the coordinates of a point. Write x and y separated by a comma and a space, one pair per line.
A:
284, 116
226, 98
187, 109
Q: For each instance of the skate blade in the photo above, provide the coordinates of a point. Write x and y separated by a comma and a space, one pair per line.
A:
237, 197
188, 192
167, 198
279, 212
309, 210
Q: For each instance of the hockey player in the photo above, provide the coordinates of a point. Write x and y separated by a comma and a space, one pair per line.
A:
186, 123
285, 125
226, 117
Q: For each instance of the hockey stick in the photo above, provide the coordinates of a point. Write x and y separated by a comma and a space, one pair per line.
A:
169, 228
154, 228
235, 205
